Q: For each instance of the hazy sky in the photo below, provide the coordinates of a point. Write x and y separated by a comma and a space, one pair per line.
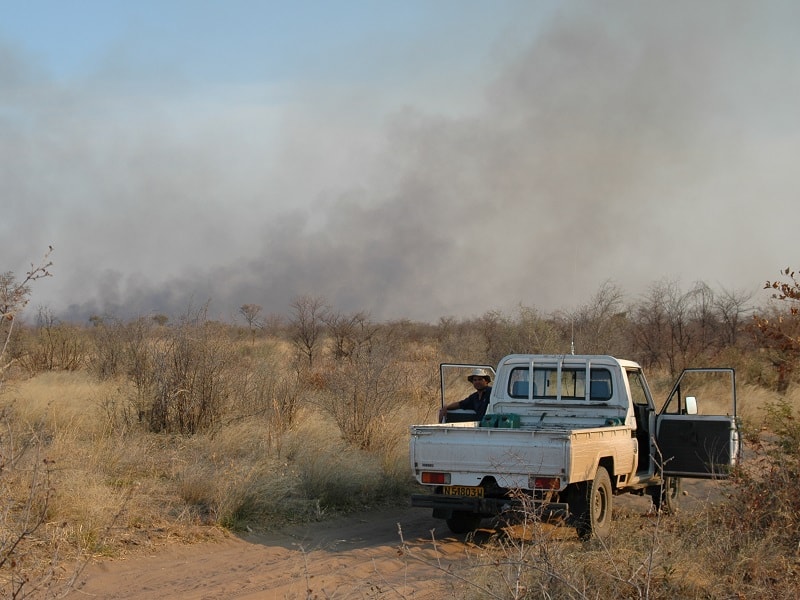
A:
412, 159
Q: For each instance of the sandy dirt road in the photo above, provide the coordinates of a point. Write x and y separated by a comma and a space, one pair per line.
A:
353, 557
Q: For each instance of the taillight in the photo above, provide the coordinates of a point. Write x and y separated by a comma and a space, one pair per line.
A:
436, 478
546, 483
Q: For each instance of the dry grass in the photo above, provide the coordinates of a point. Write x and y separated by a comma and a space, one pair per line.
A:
65, 402
753, 400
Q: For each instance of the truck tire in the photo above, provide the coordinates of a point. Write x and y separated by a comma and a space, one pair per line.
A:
463, 522
665, 497
593, 507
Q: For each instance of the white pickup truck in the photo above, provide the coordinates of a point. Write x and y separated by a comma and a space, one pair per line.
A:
565, 433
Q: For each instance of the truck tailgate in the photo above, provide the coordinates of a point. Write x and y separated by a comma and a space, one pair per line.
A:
469, 453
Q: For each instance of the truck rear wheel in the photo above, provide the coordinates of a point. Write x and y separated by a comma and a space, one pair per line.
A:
593, 507
463, 522
665, 496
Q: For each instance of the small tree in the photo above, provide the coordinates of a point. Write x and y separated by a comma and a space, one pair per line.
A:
731, 306
306, 325
781, 334
14, 296
648, 324
251, 314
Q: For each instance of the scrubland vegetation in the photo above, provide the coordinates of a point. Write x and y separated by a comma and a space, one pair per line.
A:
117, 434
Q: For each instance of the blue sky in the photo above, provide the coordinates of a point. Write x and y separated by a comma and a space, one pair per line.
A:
245, 41
373, 153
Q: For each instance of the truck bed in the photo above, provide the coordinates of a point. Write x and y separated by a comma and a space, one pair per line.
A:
513, 455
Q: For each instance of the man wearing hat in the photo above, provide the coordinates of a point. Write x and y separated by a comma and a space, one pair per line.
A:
479, 401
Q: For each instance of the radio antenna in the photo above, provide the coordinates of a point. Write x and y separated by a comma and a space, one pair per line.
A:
572, 317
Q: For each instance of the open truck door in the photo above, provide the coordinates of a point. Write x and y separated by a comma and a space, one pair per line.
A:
454, 386
697, 430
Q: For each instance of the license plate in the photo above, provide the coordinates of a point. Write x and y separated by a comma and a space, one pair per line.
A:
463, 490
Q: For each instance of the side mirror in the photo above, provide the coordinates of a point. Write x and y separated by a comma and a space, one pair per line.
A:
691, 405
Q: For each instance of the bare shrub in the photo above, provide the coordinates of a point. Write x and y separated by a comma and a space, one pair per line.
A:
53, 345
363, 392
119, 348
267, 392
186, 387
126, 350
350, 334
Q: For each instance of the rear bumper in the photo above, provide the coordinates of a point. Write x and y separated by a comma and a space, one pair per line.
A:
444, 506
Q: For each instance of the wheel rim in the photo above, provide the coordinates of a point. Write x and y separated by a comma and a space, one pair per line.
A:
600, 505
672, 488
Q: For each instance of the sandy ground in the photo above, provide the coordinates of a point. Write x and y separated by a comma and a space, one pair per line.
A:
390, 553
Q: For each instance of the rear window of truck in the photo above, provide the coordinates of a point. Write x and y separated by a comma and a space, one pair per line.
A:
544, 383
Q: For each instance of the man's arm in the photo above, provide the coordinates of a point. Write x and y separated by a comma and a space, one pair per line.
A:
457, 404
451, 406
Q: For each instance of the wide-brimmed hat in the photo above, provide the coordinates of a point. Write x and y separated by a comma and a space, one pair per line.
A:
479, 373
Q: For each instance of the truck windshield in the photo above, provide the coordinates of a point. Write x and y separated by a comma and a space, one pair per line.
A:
545, 383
